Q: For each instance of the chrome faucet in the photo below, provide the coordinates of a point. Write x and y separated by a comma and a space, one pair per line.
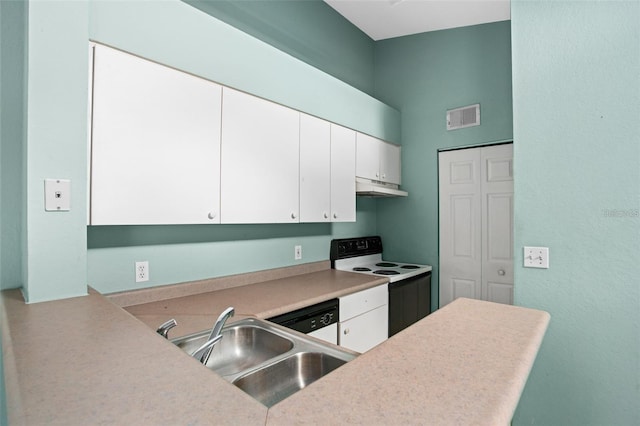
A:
163, 330
204, 352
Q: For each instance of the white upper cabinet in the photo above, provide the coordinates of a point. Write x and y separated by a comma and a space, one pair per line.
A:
378, 160
390, 163
343, 174
260, 159
155, 148
327, 171
315, 169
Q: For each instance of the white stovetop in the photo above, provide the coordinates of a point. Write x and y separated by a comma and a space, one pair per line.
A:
370, 261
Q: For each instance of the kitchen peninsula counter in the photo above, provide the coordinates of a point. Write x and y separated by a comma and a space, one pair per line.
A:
85, 360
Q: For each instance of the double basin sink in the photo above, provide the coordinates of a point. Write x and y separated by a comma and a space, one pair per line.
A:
267, 361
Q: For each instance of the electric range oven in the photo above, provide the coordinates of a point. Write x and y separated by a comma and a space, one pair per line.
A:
409, 283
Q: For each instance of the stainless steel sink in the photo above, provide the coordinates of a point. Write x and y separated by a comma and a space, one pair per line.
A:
277, 381
267, 361
244, 344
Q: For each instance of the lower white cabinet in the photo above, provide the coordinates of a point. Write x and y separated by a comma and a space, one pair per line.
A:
364, 319
328, 334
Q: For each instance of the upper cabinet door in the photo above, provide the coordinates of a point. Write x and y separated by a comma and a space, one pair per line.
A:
315, 169
368, 157
390, 168
260, 160
378, 160
343, 174
155, 150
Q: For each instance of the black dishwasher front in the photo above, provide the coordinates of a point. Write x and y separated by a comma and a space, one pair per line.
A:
311, 319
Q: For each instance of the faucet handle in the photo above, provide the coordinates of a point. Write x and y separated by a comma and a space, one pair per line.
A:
163, 330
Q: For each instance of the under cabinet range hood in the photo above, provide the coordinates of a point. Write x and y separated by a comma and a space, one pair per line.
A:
374, 188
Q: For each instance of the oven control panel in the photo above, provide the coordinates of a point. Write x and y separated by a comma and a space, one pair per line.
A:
351, 247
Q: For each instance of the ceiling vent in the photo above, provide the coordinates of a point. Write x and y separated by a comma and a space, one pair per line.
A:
460, 118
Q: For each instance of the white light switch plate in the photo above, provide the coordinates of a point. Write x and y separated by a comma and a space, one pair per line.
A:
57, 195
536, 257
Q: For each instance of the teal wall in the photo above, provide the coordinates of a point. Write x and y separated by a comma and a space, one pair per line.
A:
12, 134
576, 91
12, 58
305, 29
184, 37
423, 75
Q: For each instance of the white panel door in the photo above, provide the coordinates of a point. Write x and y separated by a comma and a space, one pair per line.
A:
497, 223
460, 227
259, 160
315, 169
155, 153
476, 224
343, 174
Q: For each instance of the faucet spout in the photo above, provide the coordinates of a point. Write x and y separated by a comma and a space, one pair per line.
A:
214, 336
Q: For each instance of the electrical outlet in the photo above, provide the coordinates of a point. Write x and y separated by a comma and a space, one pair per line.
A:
297, 252
142, 271
536, 257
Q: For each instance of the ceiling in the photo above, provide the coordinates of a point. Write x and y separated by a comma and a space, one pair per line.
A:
382, 19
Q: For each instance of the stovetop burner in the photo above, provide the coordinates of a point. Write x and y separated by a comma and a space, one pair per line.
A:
363, 255
386, 272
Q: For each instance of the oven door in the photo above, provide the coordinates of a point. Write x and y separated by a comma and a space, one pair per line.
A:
409, 301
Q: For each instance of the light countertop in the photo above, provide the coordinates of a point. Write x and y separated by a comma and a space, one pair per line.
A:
85, 360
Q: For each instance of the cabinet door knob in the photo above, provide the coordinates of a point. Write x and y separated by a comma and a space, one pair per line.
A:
211, 215
326, 216
384, 175
335, 215
501, 272
346, 331
293, 215
377, 174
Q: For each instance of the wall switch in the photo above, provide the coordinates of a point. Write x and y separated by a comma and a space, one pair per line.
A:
536, 257
297, 252
142, 271
57, 195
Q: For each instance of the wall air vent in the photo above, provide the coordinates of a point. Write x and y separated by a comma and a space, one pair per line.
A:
460, 118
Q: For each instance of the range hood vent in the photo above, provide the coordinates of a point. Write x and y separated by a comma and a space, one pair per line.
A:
374, 188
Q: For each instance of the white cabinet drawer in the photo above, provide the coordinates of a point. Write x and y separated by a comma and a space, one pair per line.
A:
363, 301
